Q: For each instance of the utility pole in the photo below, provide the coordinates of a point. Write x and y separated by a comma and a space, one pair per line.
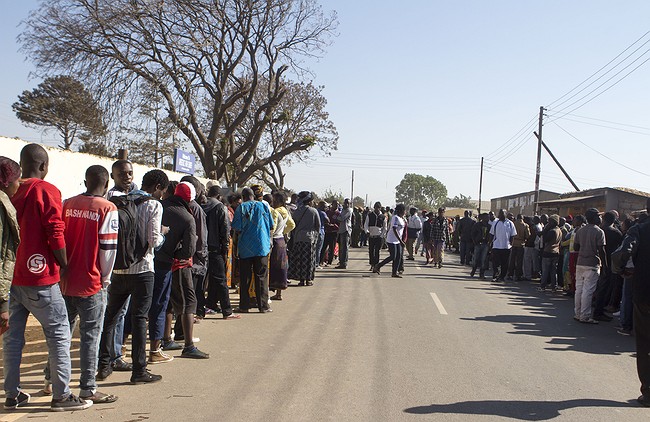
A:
352, 190
539, 156
558, 164
480, 188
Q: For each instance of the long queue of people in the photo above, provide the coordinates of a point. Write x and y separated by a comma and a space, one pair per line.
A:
147, 262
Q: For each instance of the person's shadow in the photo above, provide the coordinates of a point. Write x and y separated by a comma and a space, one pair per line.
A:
522, 410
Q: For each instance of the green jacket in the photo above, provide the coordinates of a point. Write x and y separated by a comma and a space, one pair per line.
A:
9, 240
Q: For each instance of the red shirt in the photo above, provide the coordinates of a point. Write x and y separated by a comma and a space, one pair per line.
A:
91, 225
38, 208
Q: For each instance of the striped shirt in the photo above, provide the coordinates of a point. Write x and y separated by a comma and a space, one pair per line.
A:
150, 220
91, 228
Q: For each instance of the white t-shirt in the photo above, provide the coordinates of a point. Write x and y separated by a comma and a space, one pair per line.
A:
502, 232
398, 223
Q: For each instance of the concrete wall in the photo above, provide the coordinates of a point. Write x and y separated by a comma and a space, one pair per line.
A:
67, 169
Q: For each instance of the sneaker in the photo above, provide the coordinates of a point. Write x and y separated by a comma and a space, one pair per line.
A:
120, 365
194, 353
171, 345
103, 373
146, 378
644, 401
624, 332
159, 357
21, 400
47, 388
70, 403
589, 321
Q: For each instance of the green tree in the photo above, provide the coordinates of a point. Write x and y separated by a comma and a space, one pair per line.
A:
62, 103
358, 202
420, 191
461, 201
330, 195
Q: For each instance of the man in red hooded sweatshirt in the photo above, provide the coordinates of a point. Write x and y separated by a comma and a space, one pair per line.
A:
35, 286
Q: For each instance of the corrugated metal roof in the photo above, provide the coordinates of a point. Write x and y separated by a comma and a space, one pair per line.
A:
568, 200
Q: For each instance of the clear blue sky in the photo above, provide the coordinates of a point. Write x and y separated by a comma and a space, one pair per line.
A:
430, 86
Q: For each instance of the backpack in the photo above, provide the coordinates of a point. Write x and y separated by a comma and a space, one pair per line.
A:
132, 244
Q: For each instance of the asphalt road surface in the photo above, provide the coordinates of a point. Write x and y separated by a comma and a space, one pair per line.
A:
435, 345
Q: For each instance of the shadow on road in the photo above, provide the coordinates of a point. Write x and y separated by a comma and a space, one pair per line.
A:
521, 410
551, 316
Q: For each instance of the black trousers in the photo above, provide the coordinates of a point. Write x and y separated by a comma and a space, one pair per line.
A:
328, 245
516, 264
254, 270
140, 288
374, 246
500, 259
217, 284
642, 329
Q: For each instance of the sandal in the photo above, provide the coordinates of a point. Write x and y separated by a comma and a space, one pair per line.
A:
232, 316
101, 398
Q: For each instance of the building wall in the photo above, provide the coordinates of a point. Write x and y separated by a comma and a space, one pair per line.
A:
521, 204
67, 168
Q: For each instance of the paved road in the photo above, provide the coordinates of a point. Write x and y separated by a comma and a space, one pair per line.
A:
357, 346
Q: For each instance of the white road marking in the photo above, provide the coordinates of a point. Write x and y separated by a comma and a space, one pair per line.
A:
438, 303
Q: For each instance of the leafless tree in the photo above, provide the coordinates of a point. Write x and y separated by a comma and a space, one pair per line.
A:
194, 52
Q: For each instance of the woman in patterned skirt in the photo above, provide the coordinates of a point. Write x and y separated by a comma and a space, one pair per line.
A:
278, 261
302, 252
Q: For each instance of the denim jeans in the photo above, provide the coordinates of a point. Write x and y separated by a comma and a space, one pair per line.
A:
119, 331
627, 308
480, 258
549, 272
140, 288
91, 320
465, 252
162, 288
396, 252
319, 248
48, 307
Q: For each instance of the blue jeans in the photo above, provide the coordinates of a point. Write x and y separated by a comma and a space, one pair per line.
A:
480, 258
627, 307
90, 310
395, 251
319, 247
162, 288
48, 307
119, 331
549, 272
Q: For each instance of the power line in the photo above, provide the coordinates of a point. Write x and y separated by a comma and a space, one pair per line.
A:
605, 126
517, 135
606, 89
607, 121
600, 153
599, 70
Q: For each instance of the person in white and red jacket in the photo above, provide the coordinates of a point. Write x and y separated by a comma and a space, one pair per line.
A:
35, 286
91, 228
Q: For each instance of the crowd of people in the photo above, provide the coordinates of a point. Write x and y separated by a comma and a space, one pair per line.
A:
150, 262
145, 262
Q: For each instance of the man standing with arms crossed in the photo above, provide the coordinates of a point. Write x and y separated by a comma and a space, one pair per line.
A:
35, 286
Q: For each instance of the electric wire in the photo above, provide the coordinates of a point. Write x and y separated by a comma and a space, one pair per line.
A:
600, 153
553, 103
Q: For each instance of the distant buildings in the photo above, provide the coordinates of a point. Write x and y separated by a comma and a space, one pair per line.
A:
521, 203
623, 200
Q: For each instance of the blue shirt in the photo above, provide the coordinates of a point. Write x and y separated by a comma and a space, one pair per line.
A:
253, 221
